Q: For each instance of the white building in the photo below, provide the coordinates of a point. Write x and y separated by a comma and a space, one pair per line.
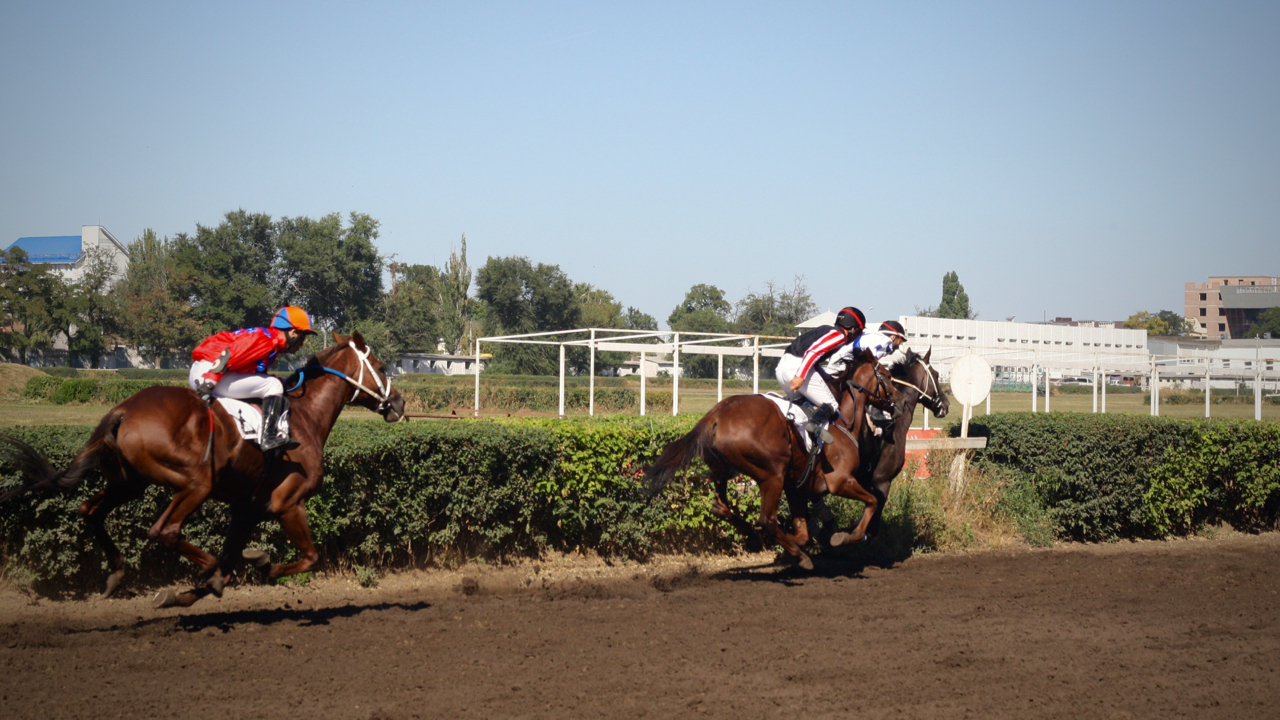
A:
67, 255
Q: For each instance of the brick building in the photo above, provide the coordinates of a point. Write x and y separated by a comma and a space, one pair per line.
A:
1226, 306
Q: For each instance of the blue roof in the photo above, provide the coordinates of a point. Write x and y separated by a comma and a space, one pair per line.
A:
57, 249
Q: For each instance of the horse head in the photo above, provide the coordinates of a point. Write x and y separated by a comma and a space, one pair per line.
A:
918, 374
350, 358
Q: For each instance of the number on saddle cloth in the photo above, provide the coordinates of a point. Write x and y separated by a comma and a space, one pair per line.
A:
248, 417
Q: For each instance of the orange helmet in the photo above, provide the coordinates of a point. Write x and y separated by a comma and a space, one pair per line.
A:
292, 317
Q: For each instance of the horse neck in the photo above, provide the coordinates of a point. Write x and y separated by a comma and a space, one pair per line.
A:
319, 406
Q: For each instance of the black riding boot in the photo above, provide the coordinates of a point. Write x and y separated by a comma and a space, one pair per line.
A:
273, 406
816, 427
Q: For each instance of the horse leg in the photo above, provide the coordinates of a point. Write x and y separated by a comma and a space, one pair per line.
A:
848, 487
244, 518
95, 511
294, 521
770, 494
167, 531
723, 509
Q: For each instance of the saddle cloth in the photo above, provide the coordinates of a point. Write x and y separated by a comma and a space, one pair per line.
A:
793, 412
248, 418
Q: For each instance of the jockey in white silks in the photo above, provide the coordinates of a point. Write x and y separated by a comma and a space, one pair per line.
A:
833, 347
885, 344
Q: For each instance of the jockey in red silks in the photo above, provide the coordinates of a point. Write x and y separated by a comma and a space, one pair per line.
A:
830, 346
234, 364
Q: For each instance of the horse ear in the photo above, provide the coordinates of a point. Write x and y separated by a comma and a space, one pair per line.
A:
338, 339
927, 354
358, 340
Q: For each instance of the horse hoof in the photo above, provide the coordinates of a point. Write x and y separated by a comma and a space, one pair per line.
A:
805, 562
216, 584
840, 538
165, 598
257, 558
113, 582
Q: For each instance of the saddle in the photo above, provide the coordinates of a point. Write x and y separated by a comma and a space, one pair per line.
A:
248, 416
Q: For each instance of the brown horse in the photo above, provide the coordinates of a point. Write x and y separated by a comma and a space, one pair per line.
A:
748, 434
169, 436
883, 458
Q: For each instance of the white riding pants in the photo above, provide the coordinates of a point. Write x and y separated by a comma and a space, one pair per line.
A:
813, 388
237, 385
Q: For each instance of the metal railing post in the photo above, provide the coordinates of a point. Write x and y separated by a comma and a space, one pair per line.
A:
476, 408
642, 400
675, 374
591, 383
561, 379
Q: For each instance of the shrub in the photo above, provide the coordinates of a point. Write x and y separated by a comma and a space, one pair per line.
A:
1102, 477
60, 372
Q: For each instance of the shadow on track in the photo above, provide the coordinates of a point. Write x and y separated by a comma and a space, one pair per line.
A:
227, 621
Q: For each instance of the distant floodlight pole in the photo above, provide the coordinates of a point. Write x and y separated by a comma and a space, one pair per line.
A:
561, 379
642, 400
591, 383
675, 374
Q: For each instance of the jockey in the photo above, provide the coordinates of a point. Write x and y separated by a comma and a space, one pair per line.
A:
884, 342
796, 370
234, 365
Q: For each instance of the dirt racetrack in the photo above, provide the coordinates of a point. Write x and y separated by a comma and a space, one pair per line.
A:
1187, 628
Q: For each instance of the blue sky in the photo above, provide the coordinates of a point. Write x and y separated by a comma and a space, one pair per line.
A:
1079, 159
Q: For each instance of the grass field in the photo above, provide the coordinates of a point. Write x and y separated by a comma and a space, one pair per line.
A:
698, 400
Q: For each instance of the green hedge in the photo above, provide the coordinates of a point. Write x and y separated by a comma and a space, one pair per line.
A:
532, 399
408, 493
86, 390
1103, 477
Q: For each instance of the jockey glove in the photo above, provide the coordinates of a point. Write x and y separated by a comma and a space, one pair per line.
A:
204, 389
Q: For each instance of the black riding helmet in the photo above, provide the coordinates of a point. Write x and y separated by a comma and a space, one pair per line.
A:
851, 319
893, 327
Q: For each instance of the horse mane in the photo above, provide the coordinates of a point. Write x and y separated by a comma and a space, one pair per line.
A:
901, 369
313, 362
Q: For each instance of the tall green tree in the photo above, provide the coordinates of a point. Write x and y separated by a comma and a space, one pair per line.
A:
230, 273
154, 314
1268, 323
455, 305
704, 309
955, 301
30, 295
331, 270
413, 307
775, 311
520, 297
93, 316
1165, 322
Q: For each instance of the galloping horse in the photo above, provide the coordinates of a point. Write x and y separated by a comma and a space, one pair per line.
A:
917, 382
748, 434
168, 436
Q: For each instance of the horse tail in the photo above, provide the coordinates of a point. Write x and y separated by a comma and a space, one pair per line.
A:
698, 442
39, 476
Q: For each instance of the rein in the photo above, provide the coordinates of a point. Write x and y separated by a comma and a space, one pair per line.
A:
932, 382
383, 393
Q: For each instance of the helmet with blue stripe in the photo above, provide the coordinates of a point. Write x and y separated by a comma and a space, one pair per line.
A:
290, 317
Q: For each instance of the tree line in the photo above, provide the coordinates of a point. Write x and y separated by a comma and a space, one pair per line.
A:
178, 290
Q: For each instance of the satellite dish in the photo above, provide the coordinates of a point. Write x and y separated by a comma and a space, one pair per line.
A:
971, 379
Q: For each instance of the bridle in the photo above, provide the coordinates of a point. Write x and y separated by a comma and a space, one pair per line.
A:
383, 394
930, 400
